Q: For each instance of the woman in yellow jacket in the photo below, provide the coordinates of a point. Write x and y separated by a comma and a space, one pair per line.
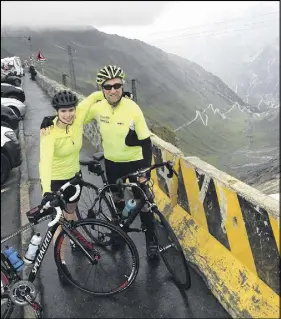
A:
60, 148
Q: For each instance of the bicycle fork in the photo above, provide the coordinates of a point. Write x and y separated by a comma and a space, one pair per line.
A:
78, 239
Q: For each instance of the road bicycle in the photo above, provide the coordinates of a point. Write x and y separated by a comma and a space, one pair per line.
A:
93, 268
98, 203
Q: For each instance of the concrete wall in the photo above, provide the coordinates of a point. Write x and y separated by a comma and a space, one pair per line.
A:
228, 230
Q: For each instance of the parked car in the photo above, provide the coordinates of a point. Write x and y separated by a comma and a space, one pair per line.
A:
14, 64
17, 106
11, 156
9, 118
10, 79
8, 90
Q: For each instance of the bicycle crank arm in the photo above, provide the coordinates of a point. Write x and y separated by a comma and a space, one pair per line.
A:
38, 313
38, 309
130, 230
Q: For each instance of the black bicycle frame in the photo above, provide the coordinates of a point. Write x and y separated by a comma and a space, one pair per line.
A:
38, 258
42, 251
75, 236
136, 212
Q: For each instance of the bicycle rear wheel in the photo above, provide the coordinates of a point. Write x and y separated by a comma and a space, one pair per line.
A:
7, 306
91, 205
115, 269
171, 252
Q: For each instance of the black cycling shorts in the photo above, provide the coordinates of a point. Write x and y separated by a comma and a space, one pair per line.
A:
68, 193
115, 170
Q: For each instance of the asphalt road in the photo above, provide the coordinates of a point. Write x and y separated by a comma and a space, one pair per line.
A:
152, 295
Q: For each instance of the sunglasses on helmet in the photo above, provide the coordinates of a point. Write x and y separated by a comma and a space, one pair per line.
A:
109, 87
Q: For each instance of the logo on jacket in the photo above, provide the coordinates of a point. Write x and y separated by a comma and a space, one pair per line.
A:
104, 119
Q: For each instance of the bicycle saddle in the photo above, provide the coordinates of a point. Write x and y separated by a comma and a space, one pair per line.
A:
98, 156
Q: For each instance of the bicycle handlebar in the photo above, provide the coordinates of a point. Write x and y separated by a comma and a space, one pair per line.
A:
57, 218
142, 172
56, 203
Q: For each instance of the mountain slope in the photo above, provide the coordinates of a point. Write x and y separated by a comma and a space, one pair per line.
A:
258, 82
170, 89
265, 177
226, 46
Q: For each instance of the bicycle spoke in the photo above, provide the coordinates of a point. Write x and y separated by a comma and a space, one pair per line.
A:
88, 275
99, 278
90, 206
83, 205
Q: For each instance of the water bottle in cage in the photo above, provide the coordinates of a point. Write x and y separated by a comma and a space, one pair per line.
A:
14, 258
32, 248
129, 207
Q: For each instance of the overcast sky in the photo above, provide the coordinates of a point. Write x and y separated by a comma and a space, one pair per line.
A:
143, 17
178, 16
96, 13
159, 23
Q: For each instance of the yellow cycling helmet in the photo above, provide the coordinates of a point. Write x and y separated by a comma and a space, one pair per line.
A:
109, 72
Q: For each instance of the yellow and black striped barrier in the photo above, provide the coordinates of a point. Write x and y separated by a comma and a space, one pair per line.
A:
228, 229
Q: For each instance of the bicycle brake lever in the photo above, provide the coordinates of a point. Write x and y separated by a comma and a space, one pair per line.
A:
171, 169
170, 174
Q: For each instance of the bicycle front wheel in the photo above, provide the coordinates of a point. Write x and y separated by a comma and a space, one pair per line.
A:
171, 252
114, 269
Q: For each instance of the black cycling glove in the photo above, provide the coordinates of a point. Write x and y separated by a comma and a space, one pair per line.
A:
47, 197
132, 139
47, 122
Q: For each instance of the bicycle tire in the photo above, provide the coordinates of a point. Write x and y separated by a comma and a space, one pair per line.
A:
127, 253
98, 208
171, 252
6, 312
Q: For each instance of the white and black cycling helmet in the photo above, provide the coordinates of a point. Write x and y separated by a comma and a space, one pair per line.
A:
64, 99
109, 72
